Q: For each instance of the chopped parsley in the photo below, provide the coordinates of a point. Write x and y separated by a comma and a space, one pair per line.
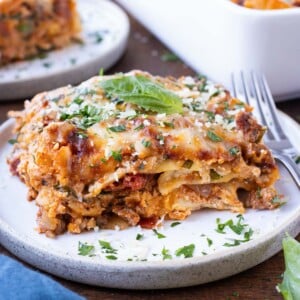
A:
78, 100
117, 155
107, 248
97, 36
234, 151
214, 175
240, 228
236, 242
202, 87
139, 237
166, 254
278, 200
169, 57
146, 144
169, 124
12, 141
119, 128
297, 160
87, 115
213, 137
186, 251
85, 249
47, 65
141, 126
158, 234
175, 224
73, 61
237, 228
209, 242
188, 164
216, 93
111, 257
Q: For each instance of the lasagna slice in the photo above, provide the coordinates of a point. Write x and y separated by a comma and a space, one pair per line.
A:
131, 149
30, 27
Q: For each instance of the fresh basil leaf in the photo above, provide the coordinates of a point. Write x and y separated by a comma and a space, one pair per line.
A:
143, 92
290, 286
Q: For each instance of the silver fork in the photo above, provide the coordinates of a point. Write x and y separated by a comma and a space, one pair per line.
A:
253, 89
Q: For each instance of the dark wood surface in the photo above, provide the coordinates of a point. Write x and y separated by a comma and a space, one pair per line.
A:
144, 52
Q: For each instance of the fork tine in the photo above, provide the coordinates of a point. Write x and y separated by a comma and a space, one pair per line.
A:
271, 104
245, 88
233, 85
259, 97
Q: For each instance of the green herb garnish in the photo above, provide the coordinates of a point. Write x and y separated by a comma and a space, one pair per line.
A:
213, 137
186, 251
166, 254
209, 242
169, 57
169, 124
73, 61
278, 200
117, 155
141, 126
234, 151
143, 92
146, 144
119, 128
111, 257
235, 227
188, 164
12, 141
158, 234
107, 248
85, 249
139, 237
47, 65
214, 175
175, 224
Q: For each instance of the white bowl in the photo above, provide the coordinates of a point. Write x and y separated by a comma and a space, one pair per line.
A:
217, 37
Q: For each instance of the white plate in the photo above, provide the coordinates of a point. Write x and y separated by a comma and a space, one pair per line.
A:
59, 256
75, 63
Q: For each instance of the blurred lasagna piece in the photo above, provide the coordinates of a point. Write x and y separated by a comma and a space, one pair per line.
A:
28, 28
268, 4
131, 149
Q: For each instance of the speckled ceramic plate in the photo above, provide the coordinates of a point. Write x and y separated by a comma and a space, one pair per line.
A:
144, 259
104, 39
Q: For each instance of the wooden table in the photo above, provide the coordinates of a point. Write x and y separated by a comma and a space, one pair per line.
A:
144, 52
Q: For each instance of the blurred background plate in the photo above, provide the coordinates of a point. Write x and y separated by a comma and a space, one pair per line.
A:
105, 34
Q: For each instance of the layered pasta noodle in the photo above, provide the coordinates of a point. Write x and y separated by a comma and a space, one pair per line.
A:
132, 149
31, 27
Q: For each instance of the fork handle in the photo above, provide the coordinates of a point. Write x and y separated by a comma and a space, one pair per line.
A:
291, 166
